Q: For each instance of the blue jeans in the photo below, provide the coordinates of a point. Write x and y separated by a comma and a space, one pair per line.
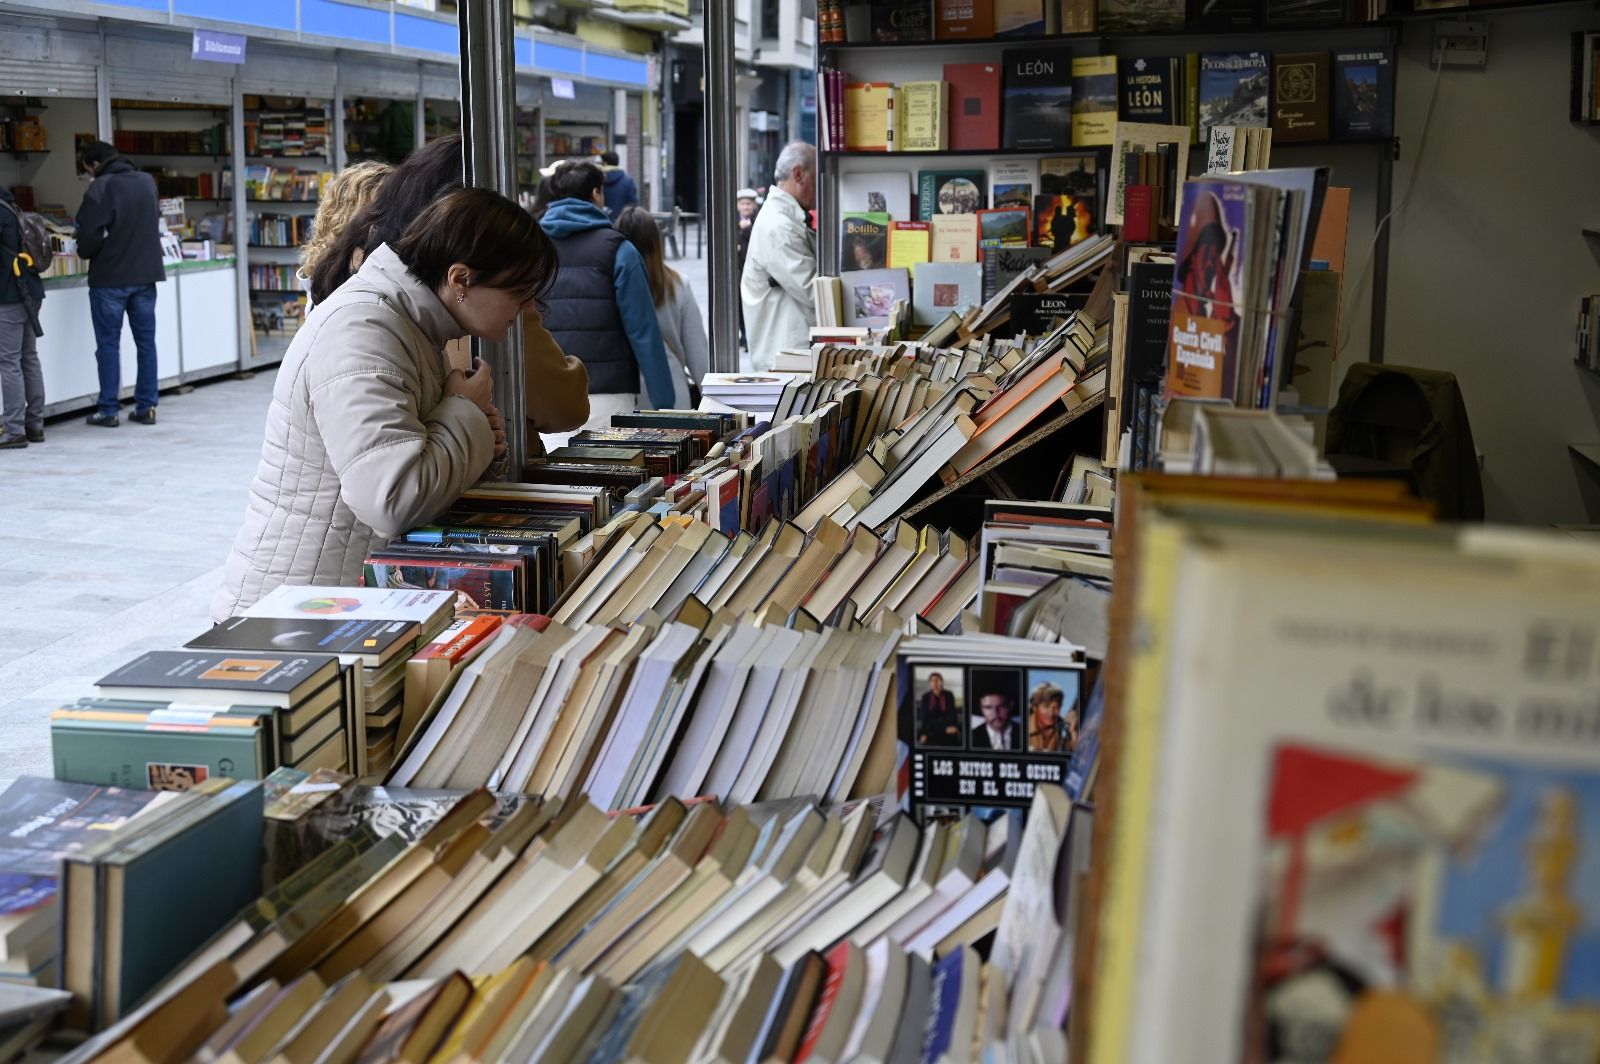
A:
106, 306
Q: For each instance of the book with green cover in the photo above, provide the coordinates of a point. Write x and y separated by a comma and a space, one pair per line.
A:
158, 749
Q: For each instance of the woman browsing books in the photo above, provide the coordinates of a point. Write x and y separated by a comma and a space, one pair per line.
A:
371, 430
677, 313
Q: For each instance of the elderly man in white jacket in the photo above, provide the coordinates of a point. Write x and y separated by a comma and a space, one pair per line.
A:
776, 286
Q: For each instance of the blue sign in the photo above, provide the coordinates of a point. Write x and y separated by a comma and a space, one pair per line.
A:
216, 47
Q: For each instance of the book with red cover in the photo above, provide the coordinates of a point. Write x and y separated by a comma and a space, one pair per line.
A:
1136, 212
974, 106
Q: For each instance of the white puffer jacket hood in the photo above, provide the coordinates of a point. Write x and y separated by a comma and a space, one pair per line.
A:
361, 441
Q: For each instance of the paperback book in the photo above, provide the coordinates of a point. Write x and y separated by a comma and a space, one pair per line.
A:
1038, 99
1233, 90
864, 241
1363, 94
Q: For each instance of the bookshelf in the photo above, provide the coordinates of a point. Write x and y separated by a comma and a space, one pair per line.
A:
288, 157
380, 128
567, 138
530, 148
187, 148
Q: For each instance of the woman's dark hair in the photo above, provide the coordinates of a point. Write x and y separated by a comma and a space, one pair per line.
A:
491, 235
575, 181
642, 231
424, 176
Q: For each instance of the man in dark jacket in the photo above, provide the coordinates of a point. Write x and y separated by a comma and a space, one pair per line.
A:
600, 310
119, 232
620, 191
21, 380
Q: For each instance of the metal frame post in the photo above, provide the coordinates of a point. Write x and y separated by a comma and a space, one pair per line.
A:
489, 149
722, 136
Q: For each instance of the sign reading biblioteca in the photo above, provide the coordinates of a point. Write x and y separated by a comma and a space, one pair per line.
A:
215, 47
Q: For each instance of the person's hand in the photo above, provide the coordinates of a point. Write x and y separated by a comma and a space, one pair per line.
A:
497, 422
477, 385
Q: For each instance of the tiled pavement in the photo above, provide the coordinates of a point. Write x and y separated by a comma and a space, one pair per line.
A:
112, 542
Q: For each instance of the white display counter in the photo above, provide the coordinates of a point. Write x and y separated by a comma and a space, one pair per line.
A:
197, 334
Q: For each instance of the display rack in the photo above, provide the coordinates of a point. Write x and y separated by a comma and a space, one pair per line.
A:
900, 62
568, 138
185, 147
378, 127
530, 148
288, 153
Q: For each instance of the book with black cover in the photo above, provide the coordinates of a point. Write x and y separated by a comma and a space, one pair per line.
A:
220, 677
1302, 12
1002, 265
1149, 90
377, 641
902, 20
1223, 14
1037, 99
1363, 94
1149, 318
1032, 312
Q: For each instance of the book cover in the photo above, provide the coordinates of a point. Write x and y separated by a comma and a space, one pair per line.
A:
1303, 12
1019, 18
950, 192
1003, 227
1233, 90
478, 586
352, 603
45, 820
908, 244
309, 635
963, 19
1012, 182
901, 20
954, 238
1139, 212
1202, 349
1300, 96
974, 106
920, 110
885, 192
1149, 316
1037, 102
1094, 100
1224, 15
1076, 178
944, 1005
1363, 94
1002, 265
869, 119
870, 295
1032, 313
257, 672
1149, 90
1142, 16
864, 242
943, 287
160, 750
1053, 222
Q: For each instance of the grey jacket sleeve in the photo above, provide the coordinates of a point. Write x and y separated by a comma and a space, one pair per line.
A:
398, 466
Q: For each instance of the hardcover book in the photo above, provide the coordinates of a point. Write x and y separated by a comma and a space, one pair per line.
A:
950, 192
1300, 96
1038, 99
1012, 182
942, 288
870, 295
44, 820
1002, 265
377, 640
1363, 94
268, 679
901, 20
974, 106
869, 119
909, 244
954, 238
1233, 90
1075, 178
1094, 100
876, 192
864, 241
921, 113
1143, 16
1224, 14
1149, 91
1003, 227
1019, 18
963, 19
1303, 12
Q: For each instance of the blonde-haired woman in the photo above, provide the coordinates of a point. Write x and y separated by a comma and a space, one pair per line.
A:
350, 190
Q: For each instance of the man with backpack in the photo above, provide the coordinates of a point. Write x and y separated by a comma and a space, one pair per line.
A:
119, 232
21, 292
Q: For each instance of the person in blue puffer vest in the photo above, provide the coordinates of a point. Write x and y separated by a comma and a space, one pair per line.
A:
600, 310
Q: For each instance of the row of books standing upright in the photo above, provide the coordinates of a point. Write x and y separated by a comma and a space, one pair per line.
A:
1045, 98
896, 21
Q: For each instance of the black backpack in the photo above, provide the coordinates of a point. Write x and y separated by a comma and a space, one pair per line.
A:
35, 237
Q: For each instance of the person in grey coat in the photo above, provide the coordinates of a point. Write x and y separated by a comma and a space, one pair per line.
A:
683, 330
371, 431
21, 379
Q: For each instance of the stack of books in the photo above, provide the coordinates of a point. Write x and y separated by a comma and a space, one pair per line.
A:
1218, 439
688, 931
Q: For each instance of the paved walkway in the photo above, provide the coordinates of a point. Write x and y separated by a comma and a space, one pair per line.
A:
112, 542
